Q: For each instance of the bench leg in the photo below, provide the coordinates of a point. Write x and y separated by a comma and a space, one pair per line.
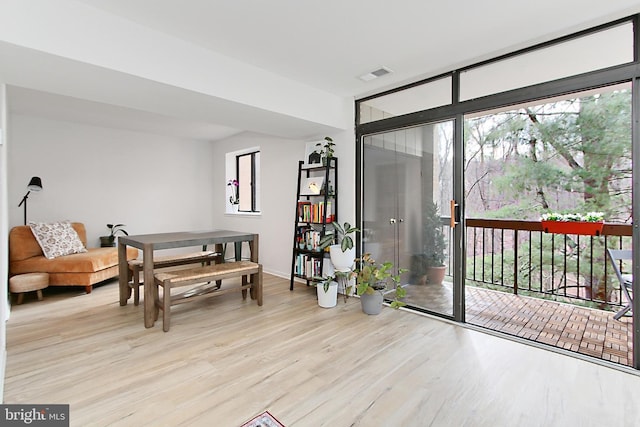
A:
136, 285
166, 311
156, 300
244, 291
258, 285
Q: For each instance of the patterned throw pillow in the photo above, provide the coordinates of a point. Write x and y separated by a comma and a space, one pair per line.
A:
57, 238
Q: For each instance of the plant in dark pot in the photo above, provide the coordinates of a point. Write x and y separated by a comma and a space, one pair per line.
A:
325, 149
343, 253
434, 244
110, 240
374, 281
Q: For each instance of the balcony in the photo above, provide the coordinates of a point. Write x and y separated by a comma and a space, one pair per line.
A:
555, 289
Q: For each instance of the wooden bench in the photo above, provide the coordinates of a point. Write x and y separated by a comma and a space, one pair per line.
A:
135, 267
200, 275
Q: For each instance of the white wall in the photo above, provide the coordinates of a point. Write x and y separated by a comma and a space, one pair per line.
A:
97, 175
4, 235
279, 174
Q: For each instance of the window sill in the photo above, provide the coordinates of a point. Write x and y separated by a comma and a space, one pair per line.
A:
243, 213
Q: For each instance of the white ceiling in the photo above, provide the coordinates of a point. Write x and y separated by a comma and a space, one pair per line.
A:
327, 45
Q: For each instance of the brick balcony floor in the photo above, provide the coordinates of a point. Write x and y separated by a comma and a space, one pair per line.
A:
582, 330
579, 329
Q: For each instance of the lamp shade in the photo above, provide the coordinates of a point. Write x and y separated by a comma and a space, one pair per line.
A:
35, 184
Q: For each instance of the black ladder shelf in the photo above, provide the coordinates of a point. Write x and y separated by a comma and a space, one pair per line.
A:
316, 208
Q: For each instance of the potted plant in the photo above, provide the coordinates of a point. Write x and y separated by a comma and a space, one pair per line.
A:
110, 240
234, 198
434, 244
590, 224
327, 287
325, 149
373, 281
343, 253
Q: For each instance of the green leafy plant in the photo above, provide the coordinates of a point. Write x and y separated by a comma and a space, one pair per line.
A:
106, 241
588, 217
115, 228
372, 276
434, 241
343, 234
341, 277
325, 148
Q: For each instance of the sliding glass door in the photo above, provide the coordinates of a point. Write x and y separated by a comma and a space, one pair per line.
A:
407, 188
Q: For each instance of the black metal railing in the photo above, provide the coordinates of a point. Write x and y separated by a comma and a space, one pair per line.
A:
519, 255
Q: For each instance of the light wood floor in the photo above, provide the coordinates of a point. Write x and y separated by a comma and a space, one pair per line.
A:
226, 360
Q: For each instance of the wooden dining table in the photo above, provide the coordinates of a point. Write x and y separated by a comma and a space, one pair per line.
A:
149, 243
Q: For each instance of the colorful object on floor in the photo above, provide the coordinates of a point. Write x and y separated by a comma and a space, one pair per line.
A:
265, 419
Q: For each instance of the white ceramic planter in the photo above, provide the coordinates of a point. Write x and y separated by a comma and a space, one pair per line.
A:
342, 261
327, 299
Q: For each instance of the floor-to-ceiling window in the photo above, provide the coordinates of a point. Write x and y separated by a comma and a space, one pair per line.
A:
429, 117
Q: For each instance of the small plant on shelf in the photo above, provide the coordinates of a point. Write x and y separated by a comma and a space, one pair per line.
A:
325, 149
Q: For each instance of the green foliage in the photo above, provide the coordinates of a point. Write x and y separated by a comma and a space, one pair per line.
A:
343, 233
325, 148
342, 277
433, 238
114, 229
372, 276
573, 155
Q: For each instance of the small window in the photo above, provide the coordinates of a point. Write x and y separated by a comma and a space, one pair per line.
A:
243, 181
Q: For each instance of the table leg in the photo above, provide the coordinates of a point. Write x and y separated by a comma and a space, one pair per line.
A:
150, 308
220, 249
123, 274
253, 247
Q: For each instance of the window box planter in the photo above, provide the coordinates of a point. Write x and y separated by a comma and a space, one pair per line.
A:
585, 228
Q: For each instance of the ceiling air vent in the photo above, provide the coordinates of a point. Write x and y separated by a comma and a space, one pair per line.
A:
375, 74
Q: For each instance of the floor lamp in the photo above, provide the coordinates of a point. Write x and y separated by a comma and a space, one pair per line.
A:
34, 185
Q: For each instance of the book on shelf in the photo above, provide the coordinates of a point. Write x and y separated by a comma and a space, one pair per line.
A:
307, 266
308, 239
314, 212
304, 209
